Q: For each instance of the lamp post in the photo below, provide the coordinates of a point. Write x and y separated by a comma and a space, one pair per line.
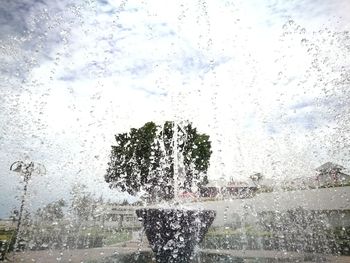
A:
26, 169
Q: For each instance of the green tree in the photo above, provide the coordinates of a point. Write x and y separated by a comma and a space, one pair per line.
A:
83, 204
142, 159
52, 211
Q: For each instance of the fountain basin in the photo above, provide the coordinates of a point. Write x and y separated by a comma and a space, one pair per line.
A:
174, 233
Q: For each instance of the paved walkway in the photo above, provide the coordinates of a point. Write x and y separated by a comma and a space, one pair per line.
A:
292, 256
86, 255
72, 255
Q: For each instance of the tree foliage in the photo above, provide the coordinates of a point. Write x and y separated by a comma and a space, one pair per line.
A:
52, 211
142, 159
83, 204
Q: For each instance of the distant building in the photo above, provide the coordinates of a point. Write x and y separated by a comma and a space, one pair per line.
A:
331, 174
262, 183
222, 188
115, 216
188, 196
327, 175
212, 189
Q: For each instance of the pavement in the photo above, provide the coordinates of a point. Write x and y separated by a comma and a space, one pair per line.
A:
71, 255
285, 256
86, 255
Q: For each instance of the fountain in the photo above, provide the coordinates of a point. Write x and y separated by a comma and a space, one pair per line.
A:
271, 92
174, 233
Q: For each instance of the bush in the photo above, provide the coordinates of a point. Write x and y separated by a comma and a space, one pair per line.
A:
7, 239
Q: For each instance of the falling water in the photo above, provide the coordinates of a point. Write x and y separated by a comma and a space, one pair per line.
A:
176, 154
179, 143
287, 102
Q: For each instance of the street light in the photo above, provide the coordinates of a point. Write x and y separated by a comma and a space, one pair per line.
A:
26, 169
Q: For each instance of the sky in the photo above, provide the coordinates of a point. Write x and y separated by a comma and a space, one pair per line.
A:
267, 80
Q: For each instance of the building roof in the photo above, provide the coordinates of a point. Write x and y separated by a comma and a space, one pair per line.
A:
187, 195
265, 182
217, 183
329, 166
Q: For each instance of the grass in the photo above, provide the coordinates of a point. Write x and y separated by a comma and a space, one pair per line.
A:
6, 235
109, 237
6, 241
117, 237
227, 231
